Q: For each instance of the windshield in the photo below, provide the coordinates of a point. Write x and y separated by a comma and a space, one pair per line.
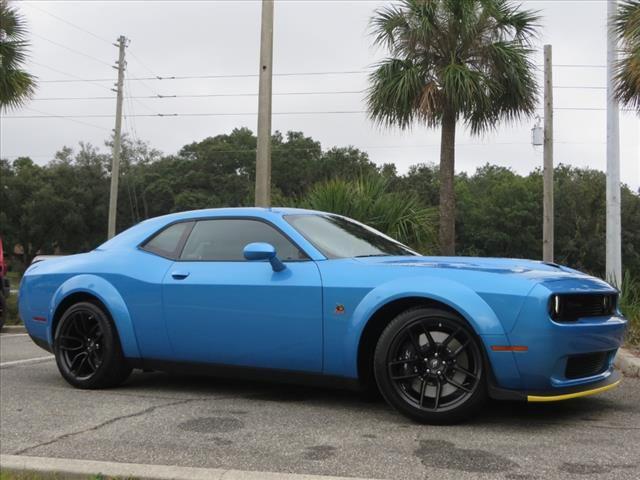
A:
340, 237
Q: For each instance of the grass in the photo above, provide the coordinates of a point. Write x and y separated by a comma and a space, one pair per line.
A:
630, 307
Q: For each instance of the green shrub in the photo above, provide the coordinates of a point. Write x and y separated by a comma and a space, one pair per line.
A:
369, 200
630, 307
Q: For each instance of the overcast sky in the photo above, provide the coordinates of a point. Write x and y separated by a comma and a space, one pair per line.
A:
199, 38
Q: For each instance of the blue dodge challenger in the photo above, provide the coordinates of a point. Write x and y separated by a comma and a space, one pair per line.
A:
306, 296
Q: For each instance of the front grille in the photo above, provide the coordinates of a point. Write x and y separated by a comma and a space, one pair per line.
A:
570, 307
586, 365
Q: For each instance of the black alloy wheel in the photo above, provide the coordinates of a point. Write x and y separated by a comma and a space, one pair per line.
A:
429, 366
87, 348
80, 342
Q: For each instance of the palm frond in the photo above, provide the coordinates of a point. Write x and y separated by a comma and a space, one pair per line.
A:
368, 200
472, 57
396, 89
626, 26
16, 85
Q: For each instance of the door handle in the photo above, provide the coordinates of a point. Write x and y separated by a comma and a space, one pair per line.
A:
179, 275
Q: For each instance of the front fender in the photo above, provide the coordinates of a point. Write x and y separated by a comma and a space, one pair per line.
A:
110, 298
459, 297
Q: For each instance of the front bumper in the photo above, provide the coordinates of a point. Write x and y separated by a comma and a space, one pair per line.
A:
611, 381
557, 360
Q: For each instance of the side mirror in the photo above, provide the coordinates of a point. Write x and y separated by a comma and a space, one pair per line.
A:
264, 251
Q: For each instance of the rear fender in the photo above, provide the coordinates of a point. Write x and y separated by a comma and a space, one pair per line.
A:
110, 298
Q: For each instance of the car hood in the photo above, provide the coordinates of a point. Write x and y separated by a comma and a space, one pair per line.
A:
530, 269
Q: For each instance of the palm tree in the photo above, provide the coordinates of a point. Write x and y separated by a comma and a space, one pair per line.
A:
369, 200
626, 26
452, 60
16, 85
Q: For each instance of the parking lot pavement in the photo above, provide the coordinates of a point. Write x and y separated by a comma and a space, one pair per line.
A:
16, 347
200, 422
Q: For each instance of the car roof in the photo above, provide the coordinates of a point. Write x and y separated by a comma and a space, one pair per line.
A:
146, 228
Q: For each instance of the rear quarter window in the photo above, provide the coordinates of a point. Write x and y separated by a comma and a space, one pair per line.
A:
168, 242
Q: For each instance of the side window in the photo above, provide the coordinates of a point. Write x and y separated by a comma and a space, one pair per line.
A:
167, 242
225, 239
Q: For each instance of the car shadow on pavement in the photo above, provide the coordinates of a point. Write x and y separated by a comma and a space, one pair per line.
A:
493, 413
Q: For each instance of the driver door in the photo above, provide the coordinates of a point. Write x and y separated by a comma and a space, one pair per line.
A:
220, 308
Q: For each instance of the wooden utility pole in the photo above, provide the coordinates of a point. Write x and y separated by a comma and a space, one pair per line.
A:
547, 203
614, 229
115, 166
263, 153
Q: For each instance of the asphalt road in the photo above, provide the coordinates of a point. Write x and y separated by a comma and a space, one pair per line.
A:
159, 419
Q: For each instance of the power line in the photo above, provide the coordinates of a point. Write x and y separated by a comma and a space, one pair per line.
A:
189, 77
284, 74
254, 94
240, 114
577, 65
579, 87
196, 114
142, 64
75, 77
130, 122
64, 117
205, 95
77, 52
30, 5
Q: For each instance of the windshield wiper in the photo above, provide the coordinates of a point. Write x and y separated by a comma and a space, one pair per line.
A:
374, 255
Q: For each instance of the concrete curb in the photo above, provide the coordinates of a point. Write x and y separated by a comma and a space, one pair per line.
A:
13, 329
71, 468
627, 363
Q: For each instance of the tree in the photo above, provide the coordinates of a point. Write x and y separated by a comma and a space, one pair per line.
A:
16, 85
368, 199
499, 213
626, 26
451, 60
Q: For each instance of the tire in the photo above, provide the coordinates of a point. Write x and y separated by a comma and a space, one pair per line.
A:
87, 348
429, 365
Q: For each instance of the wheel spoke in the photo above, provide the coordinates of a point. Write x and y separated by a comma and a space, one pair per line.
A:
430, 341
80, 324
97, 361
68, 338
92, 365
438, 393
95, 331
423, 387
84, 360
458, 368
457, 385
451, 337
405, 377
402, 362
414, 341
460, 349
73, 362
74, 326
70, 349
